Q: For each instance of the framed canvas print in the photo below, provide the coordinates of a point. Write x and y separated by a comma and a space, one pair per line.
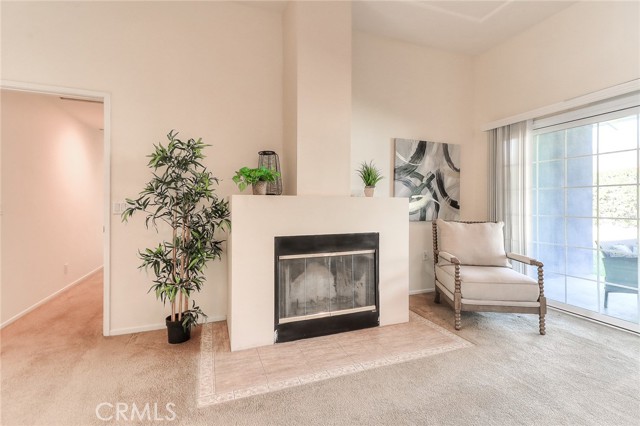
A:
428, 173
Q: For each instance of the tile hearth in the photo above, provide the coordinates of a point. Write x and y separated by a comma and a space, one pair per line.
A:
226, 375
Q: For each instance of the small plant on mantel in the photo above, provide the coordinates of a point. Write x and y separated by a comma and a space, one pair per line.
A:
181, 195
257, 178
370, 176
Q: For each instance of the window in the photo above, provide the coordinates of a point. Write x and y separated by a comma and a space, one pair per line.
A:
583, 205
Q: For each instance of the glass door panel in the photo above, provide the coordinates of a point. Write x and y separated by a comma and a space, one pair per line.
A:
584, 215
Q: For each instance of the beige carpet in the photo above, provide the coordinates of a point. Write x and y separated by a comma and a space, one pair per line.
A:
57, 368
227, 376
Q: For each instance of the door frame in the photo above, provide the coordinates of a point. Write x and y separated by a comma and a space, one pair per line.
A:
105, 97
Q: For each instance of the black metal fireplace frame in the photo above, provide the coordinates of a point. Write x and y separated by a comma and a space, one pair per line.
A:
325, 243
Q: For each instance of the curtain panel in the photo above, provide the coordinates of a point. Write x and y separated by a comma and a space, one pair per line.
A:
508, 182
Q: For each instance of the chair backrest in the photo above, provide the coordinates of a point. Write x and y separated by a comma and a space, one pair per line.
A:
473, 243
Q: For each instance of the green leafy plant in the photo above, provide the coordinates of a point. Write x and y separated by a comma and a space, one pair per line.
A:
246, 176
369, 174
181, 195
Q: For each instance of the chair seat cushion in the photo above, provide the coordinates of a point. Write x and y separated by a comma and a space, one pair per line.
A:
489, 283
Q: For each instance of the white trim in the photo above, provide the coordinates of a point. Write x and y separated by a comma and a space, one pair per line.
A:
610, 92
48, 298
157, 326
594, 317
138, 329
106, 250
424, 290
52, 90
588, 120
620, 106
216, 319
106, 99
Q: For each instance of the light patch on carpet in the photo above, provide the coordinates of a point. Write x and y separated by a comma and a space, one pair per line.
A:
226, 376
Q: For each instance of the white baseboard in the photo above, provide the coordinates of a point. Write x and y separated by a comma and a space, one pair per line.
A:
48, 298
216, 318
139, 329
156, 326
424, 290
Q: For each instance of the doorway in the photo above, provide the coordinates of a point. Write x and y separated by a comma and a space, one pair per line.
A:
55, 194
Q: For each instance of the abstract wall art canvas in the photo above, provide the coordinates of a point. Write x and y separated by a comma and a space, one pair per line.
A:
428, 173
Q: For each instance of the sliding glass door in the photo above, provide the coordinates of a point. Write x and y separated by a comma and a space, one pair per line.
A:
583, 221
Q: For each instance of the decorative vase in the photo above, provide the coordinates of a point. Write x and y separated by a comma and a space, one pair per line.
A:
176, 332
368, 191
270, 160
260, 188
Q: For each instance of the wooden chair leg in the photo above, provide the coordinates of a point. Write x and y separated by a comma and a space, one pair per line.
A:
543, 331
457, 307
437, 297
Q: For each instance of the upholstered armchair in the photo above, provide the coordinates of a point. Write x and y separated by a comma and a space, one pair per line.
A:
473, 272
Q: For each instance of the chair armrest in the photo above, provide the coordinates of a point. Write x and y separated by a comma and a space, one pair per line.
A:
524, 259
448, 257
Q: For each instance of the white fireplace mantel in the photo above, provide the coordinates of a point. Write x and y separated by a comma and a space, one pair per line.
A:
256, 220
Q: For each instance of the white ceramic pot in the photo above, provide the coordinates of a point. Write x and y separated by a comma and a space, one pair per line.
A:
368, 191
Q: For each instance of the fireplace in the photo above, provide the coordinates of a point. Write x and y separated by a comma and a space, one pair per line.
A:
325, 284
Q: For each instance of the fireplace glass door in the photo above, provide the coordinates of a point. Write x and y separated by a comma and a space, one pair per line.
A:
326, 284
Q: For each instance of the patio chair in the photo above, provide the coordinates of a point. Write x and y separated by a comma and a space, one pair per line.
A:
620, 260
473, 273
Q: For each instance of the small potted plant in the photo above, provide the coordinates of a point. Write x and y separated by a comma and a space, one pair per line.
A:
370, 176
181, 195
257, 178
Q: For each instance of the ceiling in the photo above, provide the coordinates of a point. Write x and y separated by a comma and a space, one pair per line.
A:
470, 27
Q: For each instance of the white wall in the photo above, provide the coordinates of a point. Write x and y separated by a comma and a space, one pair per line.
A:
318, 94
584, 48
289, 160
208, 69
402, 90
52, 198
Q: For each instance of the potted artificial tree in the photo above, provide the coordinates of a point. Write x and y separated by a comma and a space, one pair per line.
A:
370, 176
180, 195
257, 178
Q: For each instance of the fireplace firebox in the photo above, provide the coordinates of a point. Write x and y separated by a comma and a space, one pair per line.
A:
325, 284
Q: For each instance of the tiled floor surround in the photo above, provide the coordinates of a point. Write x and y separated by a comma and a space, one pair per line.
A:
226, 375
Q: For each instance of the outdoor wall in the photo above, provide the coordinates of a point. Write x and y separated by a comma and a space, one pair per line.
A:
52, 200
584, 48
401, 90
207, 69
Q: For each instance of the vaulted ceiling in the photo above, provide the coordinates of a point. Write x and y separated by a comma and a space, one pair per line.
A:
471, 26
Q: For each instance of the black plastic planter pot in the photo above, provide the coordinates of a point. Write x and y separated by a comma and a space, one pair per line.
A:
176, 332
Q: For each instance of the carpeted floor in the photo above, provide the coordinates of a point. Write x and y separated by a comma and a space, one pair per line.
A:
57, 369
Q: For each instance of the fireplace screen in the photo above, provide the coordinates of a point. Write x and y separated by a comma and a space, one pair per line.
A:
326, 284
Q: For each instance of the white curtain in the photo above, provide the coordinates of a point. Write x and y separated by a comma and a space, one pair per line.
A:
509, 183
